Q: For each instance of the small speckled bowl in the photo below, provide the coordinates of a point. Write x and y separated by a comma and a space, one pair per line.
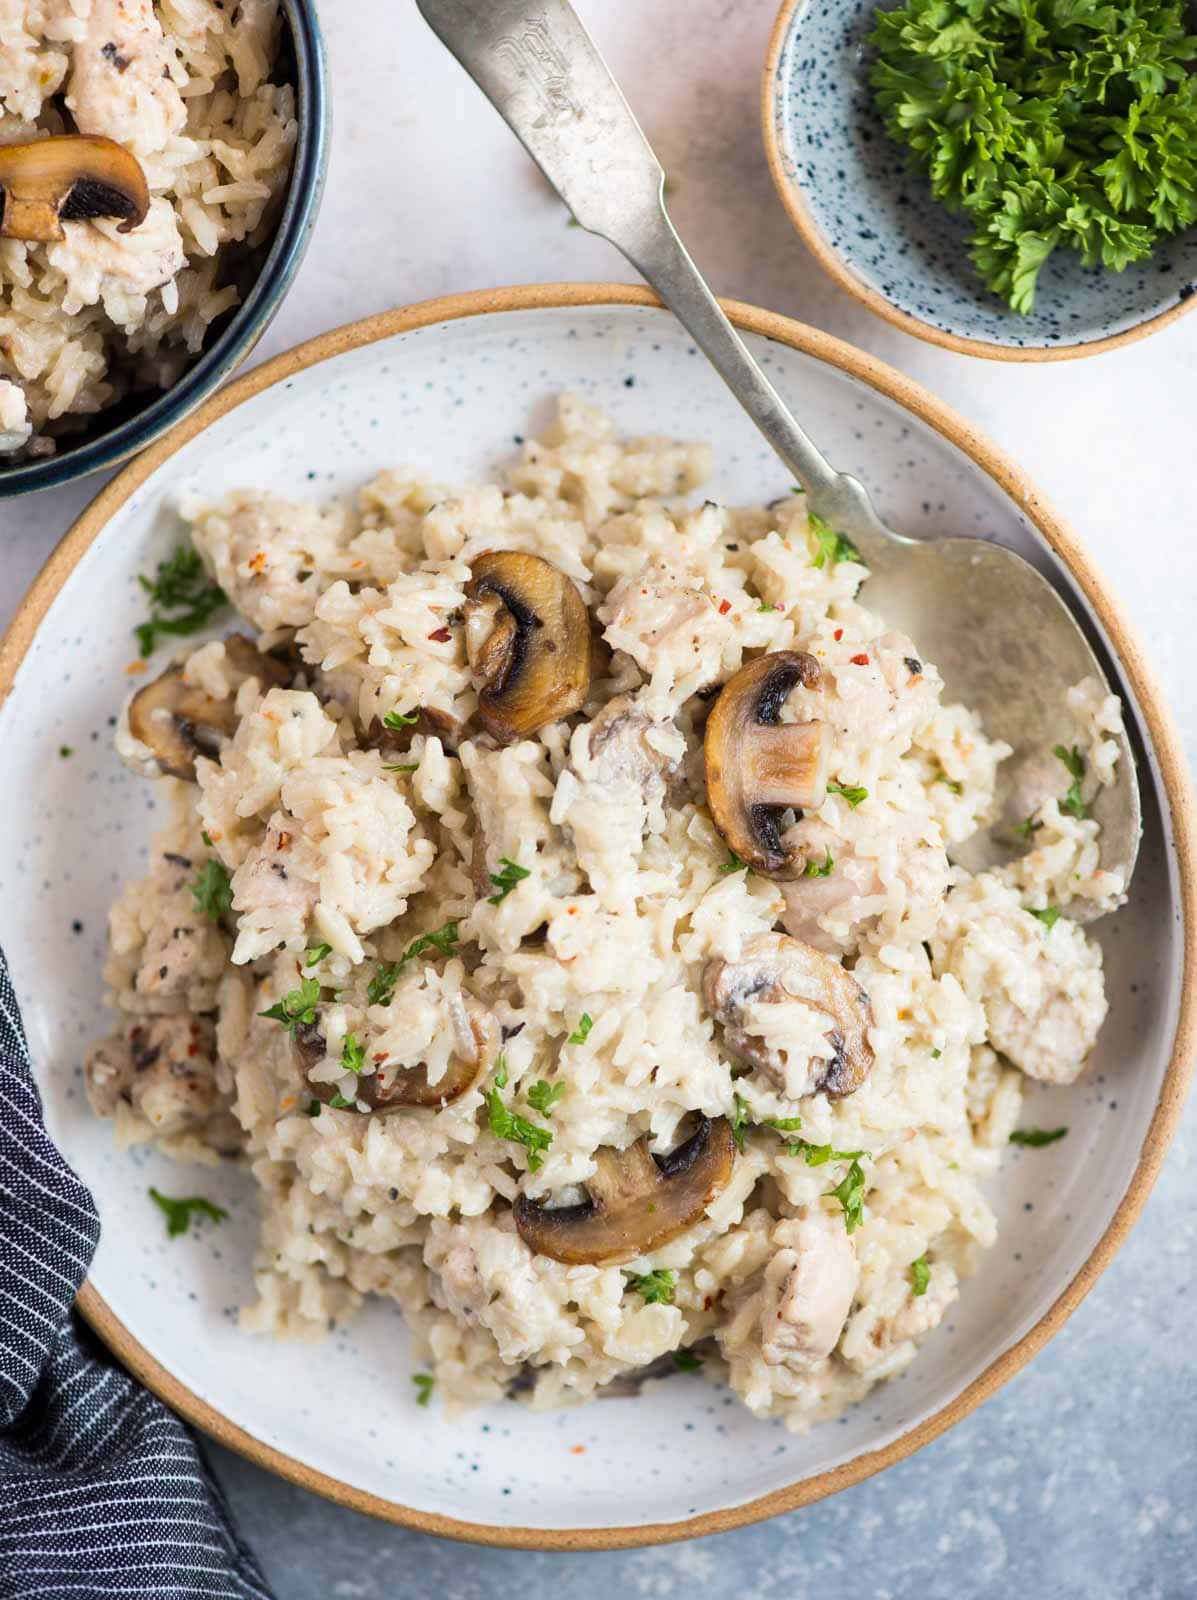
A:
876, 228
124, 429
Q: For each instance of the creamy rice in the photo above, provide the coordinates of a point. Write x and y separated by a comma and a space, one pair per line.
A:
588, 974
186, 86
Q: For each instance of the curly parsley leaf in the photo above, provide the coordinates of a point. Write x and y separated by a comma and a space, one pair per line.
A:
851, 792
818, 1155
394, 720
732, 864
1049, 916
508, 1124
740, 1121
182, 599
543, 1096
212, 890
654, 1288
506, 880
1028, 826
582, 1032
1036, 1138
830, 546
314, 956
353, 1055
1073, 801
425, 1383
338, 1102
178, 1213
920, 1276
1050, 125
298, 1005
687, 1361
381, 988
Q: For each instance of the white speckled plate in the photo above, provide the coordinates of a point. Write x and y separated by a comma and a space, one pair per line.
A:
448, 386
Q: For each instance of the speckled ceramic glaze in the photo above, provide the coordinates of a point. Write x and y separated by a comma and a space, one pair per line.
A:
874, 224
452, 396
107, 442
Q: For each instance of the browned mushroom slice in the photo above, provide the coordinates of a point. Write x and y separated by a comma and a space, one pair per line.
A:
637, 1201
68, 178
775, 969
431, 721
758, 766
528, 639
177, 722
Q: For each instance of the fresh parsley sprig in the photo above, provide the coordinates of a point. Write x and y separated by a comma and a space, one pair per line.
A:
820, 869
381, 988
654, 1288
582, 1032
212, 890
1073, 801
1036, 1138
506, 879
543, 1096
508, 1124
830, 547
920, 1276
296, 1006
851, 792
182, 599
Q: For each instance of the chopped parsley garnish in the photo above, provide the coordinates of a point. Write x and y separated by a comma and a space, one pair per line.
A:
851, 792
508, 1124
64, 750
425, 1383
316, 954
381, 988
785, 1124
850, 1192
687, 1361
180, 587
1072, 802
212, 891
394, 720
543, 1096
1036, 1138
403, 766
313, 1108
353, 1055
818, 1155
506, 880
178, 1213
739, 1121
654, 1288
765, 606
829, 545
339, 1102
1049, 916
936, 1053
732, 864
1027, 826
949, 783
501, 1071
920, 1276
817, 869
582, 1032
298, 1005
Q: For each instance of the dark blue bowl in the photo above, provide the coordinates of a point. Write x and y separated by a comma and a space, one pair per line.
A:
130, 426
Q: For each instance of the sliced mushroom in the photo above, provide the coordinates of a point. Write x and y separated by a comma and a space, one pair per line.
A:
777, 970
385, 1091
178, 722
68, 178
636, 1201
431, 721
757, 767
528, 639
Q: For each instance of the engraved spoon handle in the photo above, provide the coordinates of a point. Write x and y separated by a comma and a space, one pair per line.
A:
540, 69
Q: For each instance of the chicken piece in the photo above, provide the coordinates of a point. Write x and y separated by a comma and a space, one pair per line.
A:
96, 258
1041, 986
872, 695
461, 1283
275, 890
613, 791
880, 1342
165, 1069
794, 1013
120, 83
672, 629
808, 1290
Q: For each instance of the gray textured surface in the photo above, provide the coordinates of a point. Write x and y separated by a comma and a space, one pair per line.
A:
1078, 1479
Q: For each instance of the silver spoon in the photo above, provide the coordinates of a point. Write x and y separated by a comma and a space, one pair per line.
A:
1003, 639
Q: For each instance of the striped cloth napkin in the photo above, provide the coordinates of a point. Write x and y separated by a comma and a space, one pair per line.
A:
103, 1492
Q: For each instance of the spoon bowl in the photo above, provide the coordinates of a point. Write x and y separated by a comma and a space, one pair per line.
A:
1003, 638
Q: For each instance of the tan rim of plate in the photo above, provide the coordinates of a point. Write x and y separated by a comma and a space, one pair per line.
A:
1164, 739
820, 247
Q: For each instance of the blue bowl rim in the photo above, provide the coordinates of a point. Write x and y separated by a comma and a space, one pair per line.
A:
789, 19
252, 317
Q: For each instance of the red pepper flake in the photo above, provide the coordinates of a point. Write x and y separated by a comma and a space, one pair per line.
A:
838, 635
860, 661
381, 1056
441, 635
577, 1449
724, 607
257, 562
193, 1049
284, 841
